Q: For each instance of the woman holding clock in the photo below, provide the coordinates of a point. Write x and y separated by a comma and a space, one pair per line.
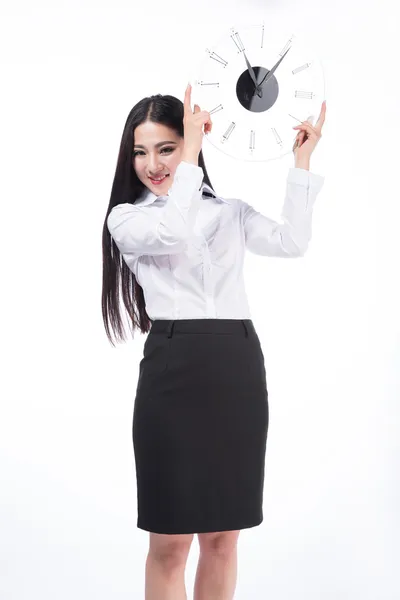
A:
173, 255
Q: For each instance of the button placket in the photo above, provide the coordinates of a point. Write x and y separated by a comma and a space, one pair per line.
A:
208, 290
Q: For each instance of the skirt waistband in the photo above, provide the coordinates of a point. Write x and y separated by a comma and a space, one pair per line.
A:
232, 326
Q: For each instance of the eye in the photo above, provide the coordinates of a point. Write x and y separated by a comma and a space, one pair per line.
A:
167, 150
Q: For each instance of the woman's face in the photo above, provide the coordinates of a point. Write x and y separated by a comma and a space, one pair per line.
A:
156, 154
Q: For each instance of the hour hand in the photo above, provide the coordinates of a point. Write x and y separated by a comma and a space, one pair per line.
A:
253, 75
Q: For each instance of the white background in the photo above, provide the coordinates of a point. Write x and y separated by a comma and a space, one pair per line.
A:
328, 323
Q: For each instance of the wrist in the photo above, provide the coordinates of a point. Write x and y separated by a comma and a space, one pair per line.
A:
302, 164
190, 156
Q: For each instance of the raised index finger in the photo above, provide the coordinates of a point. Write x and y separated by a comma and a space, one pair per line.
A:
186, 103
321, 118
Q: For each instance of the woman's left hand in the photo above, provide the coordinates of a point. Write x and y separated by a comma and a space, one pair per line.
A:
308, 136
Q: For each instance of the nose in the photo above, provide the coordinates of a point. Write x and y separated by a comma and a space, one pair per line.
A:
154, 164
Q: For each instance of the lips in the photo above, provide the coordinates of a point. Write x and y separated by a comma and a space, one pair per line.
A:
158, 181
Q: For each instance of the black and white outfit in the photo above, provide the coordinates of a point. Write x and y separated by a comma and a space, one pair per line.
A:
200, 416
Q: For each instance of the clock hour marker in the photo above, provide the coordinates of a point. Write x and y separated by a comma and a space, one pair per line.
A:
304, 95
277, 138
216, 109
305, 66
252, 141
217, 58
288, 44
237, 41
228, 132
203, 83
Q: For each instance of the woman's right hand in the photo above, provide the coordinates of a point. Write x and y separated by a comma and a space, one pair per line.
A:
193, 124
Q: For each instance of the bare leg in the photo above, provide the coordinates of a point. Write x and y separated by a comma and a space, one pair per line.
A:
217, 569
165, 567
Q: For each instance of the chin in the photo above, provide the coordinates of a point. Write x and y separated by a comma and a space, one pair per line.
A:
160, 190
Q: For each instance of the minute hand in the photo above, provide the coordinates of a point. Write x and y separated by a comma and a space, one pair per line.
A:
272, 71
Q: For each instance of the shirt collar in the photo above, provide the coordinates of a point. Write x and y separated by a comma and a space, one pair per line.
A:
147, 197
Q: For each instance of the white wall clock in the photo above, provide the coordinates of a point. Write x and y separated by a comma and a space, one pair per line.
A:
257, 83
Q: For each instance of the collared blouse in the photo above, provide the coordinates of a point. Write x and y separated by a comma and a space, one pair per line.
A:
186, 249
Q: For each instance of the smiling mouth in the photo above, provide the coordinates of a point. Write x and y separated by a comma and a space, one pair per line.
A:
158, 180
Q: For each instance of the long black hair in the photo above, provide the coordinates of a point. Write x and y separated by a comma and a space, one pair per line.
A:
118, 280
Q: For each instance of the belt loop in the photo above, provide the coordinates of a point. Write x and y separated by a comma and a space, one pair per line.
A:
245, 328
170, 328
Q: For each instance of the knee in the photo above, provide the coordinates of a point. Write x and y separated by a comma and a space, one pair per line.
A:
170, 556
221, 544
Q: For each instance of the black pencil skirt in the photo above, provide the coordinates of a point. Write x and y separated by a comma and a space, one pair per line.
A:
200, 425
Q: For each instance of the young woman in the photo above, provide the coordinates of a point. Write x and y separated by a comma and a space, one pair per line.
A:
173, 254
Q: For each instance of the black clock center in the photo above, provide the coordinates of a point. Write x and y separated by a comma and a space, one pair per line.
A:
246, 91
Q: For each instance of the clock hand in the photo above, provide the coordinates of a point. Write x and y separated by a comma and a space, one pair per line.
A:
253, 75
272, 71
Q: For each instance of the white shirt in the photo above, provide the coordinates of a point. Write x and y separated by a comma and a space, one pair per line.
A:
187, 250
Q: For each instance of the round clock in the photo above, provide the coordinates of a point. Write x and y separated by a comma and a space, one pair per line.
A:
257, 83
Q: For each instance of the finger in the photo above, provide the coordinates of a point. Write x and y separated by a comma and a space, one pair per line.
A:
186, 103
196, 109
208, 126
309, 135
307, 127
299, 139
303, 127
202, 116
321, 118
309, 122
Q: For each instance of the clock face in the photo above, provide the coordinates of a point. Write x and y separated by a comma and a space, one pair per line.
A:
257, 84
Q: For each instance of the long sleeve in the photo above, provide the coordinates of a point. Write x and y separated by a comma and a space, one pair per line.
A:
139, 230
267, 237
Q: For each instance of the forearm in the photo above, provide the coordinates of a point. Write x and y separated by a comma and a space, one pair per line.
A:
288, 237
139, 230
302, 164
190, 155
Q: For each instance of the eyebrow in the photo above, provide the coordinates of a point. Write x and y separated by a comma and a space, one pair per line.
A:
156, 146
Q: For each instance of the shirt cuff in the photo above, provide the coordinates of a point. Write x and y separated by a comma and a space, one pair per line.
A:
306, 178
189, 171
